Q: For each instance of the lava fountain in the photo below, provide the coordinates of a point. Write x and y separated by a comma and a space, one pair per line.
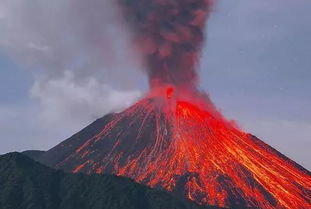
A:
174, 138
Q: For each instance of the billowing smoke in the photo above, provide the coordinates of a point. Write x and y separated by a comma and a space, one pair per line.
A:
169, 33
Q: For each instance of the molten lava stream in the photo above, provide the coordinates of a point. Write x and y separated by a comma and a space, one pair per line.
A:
189, 149
212, 147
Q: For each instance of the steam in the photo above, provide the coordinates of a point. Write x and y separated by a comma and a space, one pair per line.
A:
81, 46
170, 35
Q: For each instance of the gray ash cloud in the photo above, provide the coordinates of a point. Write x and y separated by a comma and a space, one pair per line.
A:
170, 35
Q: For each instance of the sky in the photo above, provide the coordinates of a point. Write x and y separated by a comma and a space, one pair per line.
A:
65, 63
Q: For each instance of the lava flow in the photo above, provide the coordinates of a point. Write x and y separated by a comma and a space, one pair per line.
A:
187, 148
174, 138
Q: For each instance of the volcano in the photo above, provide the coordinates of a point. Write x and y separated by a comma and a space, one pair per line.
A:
171, 141
174, 138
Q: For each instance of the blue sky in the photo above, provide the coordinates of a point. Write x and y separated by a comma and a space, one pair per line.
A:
54, 79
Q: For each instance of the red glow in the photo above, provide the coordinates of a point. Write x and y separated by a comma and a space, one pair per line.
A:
218, 162
169, 92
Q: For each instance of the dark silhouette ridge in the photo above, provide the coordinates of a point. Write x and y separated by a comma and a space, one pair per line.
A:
26, 184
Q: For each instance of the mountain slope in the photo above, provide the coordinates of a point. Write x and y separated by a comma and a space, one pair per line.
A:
189, 150
53, 156
25, 183
33, 154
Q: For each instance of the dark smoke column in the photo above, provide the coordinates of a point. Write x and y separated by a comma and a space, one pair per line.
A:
170, 34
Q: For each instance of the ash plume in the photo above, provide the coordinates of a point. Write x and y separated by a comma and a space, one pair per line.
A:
170, 35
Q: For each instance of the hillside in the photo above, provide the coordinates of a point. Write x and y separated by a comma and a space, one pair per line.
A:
25, 183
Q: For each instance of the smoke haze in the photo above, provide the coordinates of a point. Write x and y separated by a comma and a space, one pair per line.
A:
79, 52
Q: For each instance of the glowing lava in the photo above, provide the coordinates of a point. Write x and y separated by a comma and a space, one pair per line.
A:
169, 92
189, 149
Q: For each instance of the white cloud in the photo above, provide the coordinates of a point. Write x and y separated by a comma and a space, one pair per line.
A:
66, 99
86, 39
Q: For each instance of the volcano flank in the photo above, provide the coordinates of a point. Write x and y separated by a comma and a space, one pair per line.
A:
189, 149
